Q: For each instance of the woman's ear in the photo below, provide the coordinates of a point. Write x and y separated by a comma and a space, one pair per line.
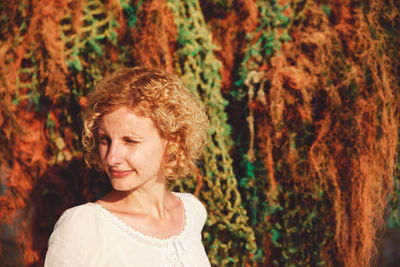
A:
166, 144
170, 149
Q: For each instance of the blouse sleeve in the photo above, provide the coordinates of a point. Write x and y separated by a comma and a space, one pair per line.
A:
67, 242
199, 211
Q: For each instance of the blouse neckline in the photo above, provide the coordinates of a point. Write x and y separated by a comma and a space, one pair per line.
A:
144, 238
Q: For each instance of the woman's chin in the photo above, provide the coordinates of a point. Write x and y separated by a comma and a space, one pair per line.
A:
122, 186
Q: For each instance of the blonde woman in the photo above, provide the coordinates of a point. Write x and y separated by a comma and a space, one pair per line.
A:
143, 127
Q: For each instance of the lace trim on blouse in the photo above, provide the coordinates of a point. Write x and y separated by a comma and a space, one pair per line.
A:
149, 240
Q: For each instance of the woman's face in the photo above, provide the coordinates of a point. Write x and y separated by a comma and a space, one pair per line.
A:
131, 150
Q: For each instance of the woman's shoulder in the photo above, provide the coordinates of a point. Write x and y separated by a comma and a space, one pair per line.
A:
76, 213
189, 198
76, 220
74, 234
194, 205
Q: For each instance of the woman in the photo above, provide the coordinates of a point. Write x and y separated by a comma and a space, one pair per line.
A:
143, 128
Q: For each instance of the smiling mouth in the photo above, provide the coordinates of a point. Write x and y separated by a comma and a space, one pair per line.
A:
119, 174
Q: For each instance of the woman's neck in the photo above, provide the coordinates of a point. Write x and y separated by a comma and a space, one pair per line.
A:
153, 200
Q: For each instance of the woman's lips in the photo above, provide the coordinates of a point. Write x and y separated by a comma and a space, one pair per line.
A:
119, 174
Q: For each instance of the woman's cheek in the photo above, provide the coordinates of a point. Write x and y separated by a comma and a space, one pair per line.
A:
102, 152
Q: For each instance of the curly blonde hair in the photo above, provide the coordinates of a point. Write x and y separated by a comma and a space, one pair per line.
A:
177, 113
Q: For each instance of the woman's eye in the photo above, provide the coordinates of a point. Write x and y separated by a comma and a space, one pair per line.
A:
130, 141
104, 140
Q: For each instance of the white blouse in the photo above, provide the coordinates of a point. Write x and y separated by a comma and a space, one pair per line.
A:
90, 235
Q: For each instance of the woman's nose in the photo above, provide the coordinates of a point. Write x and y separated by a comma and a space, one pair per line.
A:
115, 154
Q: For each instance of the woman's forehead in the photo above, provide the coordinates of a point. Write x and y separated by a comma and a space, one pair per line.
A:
126, 121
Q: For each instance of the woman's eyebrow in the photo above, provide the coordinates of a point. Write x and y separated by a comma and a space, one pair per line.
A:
132, 136
101, 132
